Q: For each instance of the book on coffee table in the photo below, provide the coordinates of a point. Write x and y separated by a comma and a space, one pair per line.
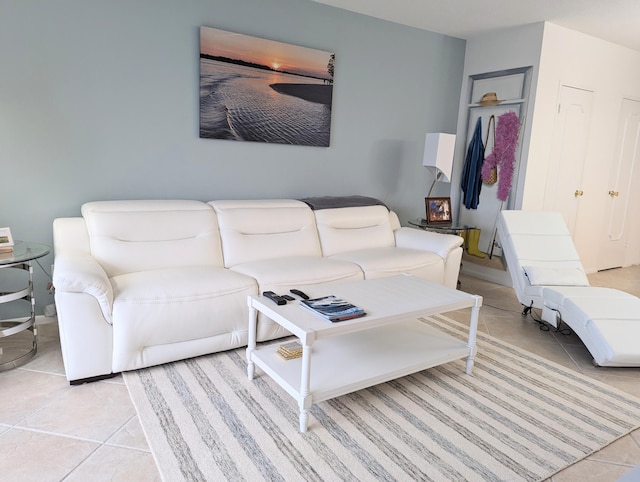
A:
290, 350
333, 308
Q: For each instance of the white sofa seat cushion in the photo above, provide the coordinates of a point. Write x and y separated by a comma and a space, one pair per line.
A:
281, 275
155, 311
291, 272
382, 262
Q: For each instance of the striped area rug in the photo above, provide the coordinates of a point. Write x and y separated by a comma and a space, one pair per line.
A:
519, 417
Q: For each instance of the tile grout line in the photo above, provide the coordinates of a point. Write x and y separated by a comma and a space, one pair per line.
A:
75, 437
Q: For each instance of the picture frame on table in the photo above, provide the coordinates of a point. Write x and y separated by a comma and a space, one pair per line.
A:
6, 240
438, 210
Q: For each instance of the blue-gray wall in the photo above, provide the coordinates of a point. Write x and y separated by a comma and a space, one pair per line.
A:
99, 100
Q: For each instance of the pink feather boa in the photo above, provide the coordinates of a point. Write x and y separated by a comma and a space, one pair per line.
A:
503, 155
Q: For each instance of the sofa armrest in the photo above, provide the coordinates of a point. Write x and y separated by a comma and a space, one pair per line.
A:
441, 244
83, 274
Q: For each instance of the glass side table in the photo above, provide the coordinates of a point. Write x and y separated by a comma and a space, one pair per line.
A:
18, 337
445, 229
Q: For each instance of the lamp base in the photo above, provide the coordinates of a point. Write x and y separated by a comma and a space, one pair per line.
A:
435, 180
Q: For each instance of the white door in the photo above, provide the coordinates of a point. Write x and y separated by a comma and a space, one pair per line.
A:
565, 191
622, 194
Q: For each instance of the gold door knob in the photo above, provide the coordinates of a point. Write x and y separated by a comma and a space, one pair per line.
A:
578, 193
613, 193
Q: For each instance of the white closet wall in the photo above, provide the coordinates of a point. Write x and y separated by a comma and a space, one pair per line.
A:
602, 75
621, 244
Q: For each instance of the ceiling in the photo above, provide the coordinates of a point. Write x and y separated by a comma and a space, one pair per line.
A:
616, 21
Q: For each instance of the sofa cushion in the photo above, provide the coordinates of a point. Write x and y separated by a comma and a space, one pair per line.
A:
297, 271
133, 236
254, 230
166, 307
281, 275
382, 262
349, 229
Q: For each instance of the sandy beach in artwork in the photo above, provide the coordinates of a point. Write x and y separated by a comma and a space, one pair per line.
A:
318, 93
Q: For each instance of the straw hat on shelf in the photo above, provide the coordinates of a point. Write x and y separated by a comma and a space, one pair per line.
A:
490, 98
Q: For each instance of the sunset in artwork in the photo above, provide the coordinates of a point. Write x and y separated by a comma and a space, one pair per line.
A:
278, 55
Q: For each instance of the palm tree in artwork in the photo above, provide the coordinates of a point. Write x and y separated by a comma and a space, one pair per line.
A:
330, 66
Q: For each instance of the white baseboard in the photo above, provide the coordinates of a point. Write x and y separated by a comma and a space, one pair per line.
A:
487, 274
41, 319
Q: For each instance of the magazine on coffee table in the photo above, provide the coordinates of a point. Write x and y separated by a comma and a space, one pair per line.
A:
333, 308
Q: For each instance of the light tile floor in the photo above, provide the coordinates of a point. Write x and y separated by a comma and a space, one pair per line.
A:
501, 317
51, 431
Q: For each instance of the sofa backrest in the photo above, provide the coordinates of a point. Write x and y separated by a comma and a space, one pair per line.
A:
353, 228
142, 235
253, 230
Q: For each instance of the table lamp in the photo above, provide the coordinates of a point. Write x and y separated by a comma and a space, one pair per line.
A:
438, 154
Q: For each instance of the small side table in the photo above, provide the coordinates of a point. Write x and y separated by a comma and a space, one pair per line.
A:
12, 354
445, 229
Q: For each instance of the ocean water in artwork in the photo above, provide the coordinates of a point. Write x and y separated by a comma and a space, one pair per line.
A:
238, 103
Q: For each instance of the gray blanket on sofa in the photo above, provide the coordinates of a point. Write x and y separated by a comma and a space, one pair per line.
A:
331, 202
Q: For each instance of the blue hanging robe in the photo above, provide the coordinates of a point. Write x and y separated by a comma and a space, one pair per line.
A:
472, 171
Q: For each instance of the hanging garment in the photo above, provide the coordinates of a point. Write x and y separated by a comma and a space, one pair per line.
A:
503, 155
471, 174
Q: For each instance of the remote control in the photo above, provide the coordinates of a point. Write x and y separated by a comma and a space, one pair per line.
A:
278, 300
301, 294
288, 298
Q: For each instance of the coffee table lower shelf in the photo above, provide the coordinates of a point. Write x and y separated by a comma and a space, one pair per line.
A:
350, 362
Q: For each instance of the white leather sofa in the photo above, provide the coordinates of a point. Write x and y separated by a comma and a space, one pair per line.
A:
140, 283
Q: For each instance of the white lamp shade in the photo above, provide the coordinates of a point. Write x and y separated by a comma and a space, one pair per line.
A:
438, 153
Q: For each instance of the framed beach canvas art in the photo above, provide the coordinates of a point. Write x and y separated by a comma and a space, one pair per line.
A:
254, 89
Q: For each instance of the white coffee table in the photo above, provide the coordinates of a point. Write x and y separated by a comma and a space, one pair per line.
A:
389, 343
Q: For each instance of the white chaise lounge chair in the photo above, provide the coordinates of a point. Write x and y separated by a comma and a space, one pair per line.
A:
546, 273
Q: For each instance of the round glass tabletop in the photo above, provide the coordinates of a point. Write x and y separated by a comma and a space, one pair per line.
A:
422, 223
24, 251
